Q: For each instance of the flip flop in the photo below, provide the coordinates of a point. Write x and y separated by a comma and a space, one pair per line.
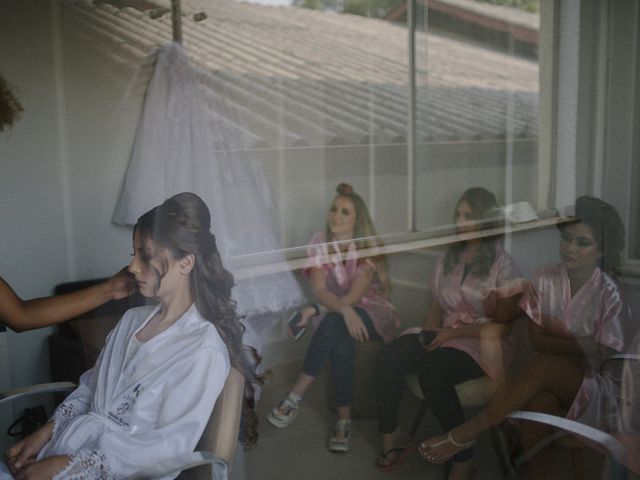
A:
449, 439
400, 453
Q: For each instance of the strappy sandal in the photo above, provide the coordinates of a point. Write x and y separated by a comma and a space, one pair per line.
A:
449, 439
399, 455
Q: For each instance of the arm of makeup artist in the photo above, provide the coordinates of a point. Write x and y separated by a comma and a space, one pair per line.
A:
21, 315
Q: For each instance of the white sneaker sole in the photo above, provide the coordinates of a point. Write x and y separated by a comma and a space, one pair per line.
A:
278, 422
338, 447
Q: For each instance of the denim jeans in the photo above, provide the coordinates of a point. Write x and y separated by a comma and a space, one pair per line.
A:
331, 341
4, 472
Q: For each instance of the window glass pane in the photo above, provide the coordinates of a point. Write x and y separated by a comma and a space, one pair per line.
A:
477, 106
313, 96
634, 227
318, 93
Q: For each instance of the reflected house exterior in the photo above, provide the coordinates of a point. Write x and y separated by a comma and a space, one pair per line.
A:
296, 77
327, 94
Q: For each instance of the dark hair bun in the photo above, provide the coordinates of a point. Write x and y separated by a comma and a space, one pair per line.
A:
344, 189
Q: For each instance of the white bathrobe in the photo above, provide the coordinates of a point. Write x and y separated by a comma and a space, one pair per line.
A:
142, 402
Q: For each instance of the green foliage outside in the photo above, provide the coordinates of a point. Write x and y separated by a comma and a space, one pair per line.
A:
527, 5
365, 8
371, 8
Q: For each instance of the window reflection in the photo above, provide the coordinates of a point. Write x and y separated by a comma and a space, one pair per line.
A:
319, 96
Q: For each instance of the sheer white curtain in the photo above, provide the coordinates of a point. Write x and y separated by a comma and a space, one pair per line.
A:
182, 144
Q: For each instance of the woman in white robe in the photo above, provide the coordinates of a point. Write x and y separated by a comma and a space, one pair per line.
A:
155, 383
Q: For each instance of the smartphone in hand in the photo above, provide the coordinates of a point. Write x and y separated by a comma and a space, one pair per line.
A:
426, 337
295, 328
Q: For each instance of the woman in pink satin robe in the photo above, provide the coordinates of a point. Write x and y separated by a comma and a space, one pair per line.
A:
351, 291
578, 319
471, 288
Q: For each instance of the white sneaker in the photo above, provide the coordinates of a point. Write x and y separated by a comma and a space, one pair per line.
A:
339, 441
283, 414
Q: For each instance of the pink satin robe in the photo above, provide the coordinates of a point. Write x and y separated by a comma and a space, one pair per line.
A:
596, 310
473, 301
340, 269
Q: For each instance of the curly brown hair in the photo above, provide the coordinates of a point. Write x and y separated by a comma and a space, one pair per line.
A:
182, 225
10, 107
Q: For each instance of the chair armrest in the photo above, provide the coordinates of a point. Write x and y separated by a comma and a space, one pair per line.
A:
19, 392
175, 465
589, 434
622, 356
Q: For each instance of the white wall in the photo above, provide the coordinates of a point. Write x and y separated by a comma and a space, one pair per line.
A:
33, 254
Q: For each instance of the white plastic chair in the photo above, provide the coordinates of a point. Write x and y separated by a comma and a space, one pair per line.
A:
623, 448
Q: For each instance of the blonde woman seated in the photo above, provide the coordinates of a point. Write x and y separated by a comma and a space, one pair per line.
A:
154, 385
577, 319
352, 293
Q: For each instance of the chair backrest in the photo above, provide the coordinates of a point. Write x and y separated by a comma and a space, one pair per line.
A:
221, 433
220, 436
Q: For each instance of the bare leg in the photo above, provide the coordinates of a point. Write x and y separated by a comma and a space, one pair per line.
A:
460, 470
389, 439
545, 374
344, 412
396, 447
303, 384
532, 433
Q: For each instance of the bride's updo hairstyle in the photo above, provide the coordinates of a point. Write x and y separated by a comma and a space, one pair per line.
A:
182, 226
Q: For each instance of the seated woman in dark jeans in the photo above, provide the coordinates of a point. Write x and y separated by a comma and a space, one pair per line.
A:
471, 307
354, 292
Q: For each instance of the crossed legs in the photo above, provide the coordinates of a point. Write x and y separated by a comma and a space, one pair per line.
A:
439, 371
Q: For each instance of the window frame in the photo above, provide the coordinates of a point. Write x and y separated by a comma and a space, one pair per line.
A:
615, 161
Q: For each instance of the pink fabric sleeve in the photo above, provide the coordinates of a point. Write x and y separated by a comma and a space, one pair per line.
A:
615, 319
508, 272
530, 301
315, 251
509, 281
436, 275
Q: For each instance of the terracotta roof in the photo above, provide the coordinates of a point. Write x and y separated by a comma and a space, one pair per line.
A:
289, 76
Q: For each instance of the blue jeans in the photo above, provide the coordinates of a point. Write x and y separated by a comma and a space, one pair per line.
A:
5, 474
332, 342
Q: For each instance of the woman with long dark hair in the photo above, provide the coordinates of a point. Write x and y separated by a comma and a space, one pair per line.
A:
467, 320
153, 388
